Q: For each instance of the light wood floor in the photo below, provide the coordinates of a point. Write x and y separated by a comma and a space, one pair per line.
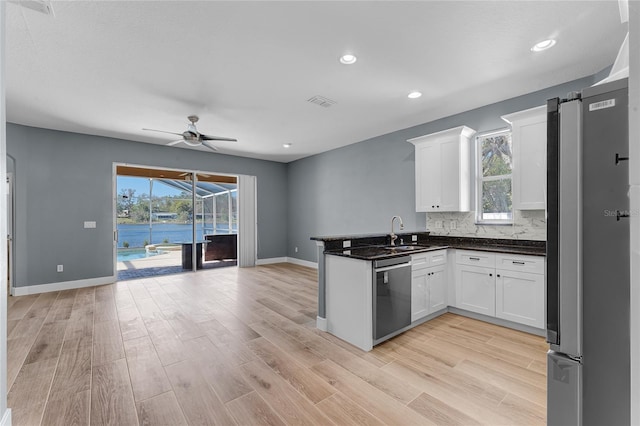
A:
239, 346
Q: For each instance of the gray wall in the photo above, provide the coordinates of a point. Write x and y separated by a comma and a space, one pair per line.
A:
63, 179
358, 188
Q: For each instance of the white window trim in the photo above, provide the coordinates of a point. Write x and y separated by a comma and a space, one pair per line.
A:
480, 179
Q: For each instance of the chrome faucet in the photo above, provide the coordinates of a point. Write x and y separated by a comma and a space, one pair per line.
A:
393, 236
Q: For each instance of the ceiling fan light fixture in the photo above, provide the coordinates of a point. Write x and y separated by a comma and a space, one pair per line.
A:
543, 45
348, 59
192, 137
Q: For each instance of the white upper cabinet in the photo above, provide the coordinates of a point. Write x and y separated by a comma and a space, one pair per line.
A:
442, 170
529, 139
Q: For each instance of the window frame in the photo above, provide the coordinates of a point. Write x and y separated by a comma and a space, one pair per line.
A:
480, 179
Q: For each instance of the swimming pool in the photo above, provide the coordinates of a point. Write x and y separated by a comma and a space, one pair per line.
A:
133, 254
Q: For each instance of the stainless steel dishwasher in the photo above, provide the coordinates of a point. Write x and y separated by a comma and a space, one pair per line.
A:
391, 296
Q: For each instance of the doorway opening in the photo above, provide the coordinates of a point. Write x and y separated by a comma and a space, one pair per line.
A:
173, 221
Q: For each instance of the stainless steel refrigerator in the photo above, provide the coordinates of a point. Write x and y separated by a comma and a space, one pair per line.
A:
588, 278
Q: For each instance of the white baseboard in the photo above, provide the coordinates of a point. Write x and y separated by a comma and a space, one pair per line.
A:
497, 321
321, 323
293, 260
6, 418
271, 260
301, 262
65, 285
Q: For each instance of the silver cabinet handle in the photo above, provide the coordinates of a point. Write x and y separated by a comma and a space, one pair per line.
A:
388, 268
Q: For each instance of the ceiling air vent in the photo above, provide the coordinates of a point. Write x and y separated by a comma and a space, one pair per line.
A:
42, 6
322, 101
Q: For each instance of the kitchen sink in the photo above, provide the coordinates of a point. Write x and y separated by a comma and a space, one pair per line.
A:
404, 248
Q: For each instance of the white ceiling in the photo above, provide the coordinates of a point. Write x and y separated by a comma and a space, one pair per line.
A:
111, 68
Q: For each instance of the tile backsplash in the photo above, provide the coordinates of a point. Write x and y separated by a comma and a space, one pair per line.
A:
527, 225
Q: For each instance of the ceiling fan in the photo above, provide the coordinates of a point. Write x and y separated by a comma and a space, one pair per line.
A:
193, 137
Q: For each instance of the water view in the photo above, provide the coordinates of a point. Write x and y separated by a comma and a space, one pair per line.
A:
138, 235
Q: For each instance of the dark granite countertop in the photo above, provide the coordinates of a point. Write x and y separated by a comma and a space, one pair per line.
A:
382, 252
530, 251
372, 247
366, 236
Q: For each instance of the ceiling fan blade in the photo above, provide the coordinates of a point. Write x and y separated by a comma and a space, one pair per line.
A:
216, 138
163, 131
208, 145
175, 142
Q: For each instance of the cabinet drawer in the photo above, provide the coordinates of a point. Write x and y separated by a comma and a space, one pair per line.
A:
428, 259
475, 258
518, 263
419, 261
438, 257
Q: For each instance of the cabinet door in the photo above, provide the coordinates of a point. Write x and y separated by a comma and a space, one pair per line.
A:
520, 297
437, 280
419, 294
428, 177
531, 172
476, 289
529, 135
442, 170
449, 184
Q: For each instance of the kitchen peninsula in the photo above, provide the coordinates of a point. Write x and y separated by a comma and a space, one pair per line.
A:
370, 291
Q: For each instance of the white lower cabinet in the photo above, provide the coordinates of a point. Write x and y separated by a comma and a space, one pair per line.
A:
428, 283
520, 297
419, 294
437, 280
509, 287
476, 289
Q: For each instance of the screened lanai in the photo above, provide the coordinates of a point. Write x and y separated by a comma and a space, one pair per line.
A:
216, 204
164, 216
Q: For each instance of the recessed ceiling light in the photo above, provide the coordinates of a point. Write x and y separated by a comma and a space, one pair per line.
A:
414, 95
543, 45
286, 145
348, 59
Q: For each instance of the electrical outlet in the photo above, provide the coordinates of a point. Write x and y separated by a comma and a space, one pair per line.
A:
414, 238
59, 268
346, 244
453, 224
296, 249
438, 224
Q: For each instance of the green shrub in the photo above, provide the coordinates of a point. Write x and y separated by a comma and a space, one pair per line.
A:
165, 241
125, 244
145, 243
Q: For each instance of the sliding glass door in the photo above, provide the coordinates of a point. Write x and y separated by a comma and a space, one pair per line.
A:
154, 221
171, 221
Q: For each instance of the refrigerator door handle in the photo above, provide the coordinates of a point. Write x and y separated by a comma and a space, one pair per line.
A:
622, 215
619, 159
